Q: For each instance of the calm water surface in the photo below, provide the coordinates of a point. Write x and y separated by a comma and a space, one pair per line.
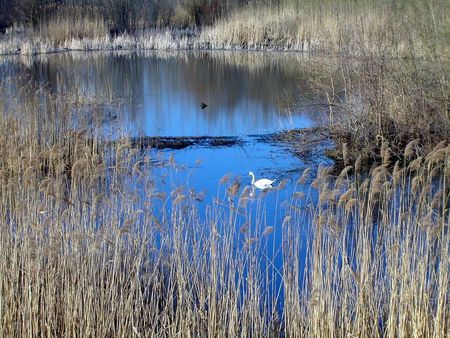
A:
159, 94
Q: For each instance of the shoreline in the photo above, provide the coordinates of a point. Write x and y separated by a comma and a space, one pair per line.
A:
360, 121
27, 45
159, 41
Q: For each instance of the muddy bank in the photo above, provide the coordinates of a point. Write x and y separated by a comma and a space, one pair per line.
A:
181, 142
309, 144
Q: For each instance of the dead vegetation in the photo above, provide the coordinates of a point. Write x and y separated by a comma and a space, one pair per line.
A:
92, 247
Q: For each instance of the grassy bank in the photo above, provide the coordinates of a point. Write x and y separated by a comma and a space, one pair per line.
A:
336, 26
91, 247
331, 26
379, 103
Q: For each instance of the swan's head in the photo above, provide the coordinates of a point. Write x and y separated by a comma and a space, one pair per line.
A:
250, 173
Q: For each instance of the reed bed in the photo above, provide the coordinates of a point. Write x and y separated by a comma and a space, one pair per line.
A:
32, 44
92, 247
376, 102
344, 27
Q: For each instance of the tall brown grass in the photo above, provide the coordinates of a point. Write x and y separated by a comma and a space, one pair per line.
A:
336, 26
72, 23
91, 247
348, 27
377, 103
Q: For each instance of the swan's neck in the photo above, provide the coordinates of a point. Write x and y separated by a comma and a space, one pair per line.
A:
253, 178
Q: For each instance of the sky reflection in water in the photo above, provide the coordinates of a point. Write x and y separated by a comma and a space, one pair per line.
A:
159, 94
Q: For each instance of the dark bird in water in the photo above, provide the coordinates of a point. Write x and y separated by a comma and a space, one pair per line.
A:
203, 105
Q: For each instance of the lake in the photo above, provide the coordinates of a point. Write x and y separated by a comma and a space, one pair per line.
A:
159, 94
249, 97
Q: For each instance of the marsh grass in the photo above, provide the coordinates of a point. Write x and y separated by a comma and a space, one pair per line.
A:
375, 104
335, 26
72, 24
348, 27
91, 247
81, 40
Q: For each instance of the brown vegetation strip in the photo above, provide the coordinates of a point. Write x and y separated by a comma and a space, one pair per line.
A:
181, 142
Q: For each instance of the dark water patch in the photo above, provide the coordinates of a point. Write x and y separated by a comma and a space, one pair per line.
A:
166, 142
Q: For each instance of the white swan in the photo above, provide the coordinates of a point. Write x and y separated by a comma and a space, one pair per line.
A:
263, 183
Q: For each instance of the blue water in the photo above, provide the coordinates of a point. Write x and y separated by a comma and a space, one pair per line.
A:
159, 94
